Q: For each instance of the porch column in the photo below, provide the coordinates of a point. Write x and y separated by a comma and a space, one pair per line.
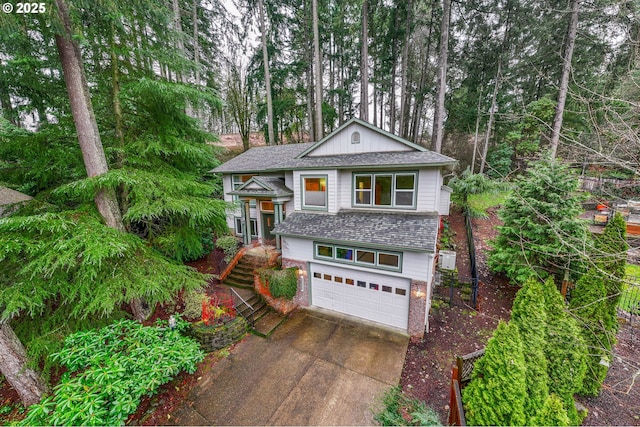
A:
246, 218
277, 217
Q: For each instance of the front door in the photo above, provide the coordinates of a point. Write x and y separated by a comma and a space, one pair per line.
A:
268, 223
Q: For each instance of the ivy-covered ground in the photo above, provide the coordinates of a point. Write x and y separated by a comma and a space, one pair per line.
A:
457, 331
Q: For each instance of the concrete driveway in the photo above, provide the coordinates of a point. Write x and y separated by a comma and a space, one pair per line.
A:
318, 368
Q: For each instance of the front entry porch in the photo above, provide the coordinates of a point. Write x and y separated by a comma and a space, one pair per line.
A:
266, 197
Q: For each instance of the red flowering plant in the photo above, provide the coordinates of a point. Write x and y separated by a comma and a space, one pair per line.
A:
216, 311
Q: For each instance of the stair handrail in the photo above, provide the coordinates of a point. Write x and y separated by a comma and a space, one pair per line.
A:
241, 299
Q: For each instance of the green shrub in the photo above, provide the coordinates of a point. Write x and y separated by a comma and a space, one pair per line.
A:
529, 315
497, 392
589, 306
283, 283
565, 351
193, 304
552, 413
395, 400
110, 369
229, 245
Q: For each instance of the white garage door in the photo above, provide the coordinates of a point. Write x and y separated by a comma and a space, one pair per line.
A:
371, 296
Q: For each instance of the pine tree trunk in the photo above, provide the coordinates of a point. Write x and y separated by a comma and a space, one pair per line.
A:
492, 115
404, 84
476, 134
392, 88
85, 122
86, 126
318, 67
267, 75
13, 365
438, 116
564, 79
364, 64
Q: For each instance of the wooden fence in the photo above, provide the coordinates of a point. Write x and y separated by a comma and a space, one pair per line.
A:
456, 410
589, 183
460, 375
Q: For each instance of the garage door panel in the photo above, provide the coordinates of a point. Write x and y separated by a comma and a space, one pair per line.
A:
372, 296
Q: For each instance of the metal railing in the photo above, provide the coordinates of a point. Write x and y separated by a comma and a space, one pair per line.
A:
243, 308
472, 257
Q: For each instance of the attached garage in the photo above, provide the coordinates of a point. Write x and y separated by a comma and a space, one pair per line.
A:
373, 296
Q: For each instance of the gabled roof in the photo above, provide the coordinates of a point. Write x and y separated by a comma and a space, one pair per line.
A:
297, 156
265, 186
378, 160
259, 159
381, 230
366, 125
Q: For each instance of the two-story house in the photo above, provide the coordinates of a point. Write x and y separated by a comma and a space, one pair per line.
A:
357, 213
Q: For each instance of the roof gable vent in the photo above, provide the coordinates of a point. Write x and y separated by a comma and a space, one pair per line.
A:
355, 138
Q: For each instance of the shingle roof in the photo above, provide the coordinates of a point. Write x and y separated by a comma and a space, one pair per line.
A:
403, 231
270, 186
258, 159
274, 158
366, 160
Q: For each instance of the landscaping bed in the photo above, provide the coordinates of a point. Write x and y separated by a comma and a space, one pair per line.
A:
455, 331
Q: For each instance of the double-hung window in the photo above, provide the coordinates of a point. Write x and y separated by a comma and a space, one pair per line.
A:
397, 190
314, 192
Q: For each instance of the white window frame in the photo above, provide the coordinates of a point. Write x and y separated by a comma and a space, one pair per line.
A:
394, 190
240, 232
354, 261
303, 192
237, 184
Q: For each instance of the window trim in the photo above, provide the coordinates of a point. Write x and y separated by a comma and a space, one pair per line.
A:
235, 185
354, 260
394, 190
303, 190
238, 220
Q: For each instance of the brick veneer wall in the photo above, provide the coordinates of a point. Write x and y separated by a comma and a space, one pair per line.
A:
417, 308
303, 295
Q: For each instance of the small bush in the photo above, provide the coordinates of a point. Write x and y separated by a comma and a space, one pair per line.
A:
282, 283
229, 245
193, 304
396, 403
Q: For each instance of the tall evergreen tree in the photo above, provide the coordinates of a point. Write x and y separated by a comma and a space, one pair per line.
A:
542, 231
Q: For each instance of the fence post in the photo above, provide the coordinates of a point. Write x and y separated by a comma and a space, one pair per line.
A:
456, 411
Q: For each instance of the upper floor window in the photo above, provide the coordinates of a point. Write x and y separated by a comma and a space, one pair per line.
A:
314, 194
355, 138
396, 190
237, 181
